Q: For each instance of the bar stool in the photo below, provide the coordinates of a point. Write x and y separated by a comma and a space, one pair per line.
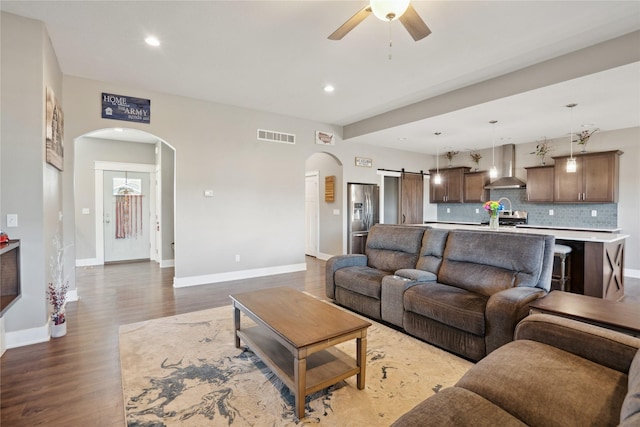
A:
564, 253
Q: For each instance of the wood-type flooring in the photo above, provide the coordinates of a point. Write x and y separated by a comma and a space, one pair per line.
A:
75, 380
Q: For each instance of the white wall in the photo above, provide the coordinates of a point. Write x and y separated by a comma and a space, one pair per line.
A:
30, 187
330, 225
257, 210
87, 151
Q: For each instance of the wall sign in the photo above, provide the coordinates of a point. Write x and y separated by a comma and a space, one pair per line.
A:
127, 108
325, 138
363, 162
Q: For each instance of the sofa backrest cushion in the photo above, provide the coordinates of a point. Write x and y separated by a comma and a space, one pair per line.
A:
487, 262
393, 247
631, 404
432, 250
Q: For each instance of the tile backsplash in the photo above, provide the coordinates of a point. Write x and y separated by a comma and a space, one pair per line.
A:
564, 214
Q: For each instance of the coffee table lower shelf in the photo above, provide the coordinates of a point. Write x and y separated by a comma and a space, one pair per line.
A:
323, 369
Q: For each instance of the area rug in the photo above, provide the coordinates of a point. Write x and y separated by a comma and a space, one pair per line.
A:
185, 370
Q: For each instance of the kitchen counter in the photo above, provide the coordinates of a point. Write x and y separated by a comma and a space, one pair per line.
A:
597, 257
551, 227
559, 233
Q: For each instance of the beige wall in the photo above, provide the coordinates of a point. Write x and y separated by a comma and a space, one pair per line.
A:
31, 188
257, 210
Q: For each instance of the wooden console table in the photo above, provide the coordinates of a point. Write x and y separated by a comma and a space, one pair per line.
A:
619, 316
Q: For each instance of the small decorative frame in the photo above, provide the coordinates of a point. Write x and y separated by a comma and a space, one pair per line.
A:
54, 131
325, 138
329, 188
364, 162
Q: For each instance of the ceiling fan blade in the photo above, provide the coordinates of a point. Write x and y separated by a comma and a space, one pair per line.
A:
351, 23
414, 24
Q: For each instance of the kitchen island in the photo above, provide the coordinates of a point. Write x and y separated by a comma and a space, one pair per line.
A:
597, 257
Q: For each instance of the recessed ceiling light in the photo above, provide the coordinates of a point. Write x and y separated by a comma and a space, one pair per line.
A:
587, 125
505, 138
152, 41
118, 129
329, 88
402, 138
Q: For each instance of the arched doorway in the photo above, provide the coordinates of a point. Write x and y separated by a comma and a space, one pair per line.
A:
123, 197
324, 215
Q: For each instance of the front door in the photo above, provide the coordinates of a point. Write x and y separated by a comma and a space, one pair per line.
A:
126, 216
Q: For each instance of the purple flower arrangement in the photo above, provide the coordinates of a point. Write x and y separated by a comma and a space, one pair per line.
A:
57, 298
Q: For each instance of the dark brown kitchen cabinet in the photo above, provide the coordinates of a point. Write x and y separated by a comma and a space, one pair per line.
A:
540, 183
451, 190
595, 179
474, 183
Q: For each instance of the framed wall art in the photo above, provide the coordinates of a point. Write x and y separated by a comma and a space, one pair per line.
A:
54, 133
364, 162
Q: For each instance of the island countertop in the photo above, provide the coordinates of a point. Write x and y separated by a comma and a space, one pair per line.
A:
560, 234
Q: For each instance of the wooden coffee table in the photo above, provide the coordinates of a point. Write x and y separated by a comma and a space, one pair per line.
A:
295, 337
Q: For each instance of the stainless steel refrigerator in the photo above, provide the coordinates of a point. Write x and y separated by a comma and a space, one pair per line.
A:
362, 214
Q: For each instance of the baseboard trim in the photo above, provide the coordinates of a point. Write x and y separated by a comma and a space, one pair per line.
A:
207, 279
628, 272
87, 262
27, 336
323, 257
165, 263
72, 295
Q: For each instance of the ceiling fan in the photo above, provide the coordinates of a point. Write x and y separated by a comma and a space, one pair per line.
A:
387, 10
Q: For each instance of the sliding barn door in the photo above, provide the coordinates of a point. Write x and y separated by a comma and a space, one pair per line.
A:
411, 199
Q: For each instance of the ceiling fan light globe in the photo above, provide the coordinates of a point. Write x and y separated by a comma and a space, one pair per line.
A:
389, 10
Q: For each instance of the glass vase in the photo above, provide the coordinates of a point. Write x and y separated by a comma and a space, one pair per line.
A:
493, 222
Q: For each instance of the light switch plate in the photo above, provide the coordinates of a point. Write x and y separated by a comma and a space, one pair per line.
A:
85, 211
12, 220
208, 193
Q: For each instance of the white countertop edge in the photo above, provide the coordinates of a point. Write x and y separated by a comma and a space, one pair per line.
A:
578, 236
586, 229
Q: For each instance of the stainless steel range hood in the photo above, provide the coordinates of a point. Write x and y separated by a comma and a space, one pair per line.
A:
508, 179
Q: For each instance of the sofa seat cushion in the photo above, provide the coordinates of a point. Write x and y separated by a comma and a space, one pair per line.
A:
449, 305
361, 280
454, 407
542, 385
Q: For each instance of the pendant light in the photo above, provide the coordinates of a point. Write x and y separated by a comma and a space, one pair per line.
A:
437, 179
493, 172
571, 161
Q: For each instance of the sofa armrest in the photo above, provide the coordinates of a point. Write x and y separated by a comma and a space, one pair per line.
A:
600, 345
416, 275
504, 310
336, 263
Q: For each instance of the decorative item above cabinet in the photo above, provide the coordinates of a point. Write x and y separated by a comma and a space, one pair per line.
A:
595, 180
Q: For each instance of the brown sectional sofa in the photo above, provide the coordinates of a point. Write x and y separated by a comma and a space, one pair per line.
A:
557, 372
461, 290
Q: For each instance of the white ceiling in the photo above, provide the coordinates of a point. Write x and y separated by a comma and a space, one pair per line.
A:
275, 56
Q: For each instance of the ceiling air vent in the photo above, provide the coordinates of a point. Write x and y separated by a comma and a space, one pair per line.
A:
273, 136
